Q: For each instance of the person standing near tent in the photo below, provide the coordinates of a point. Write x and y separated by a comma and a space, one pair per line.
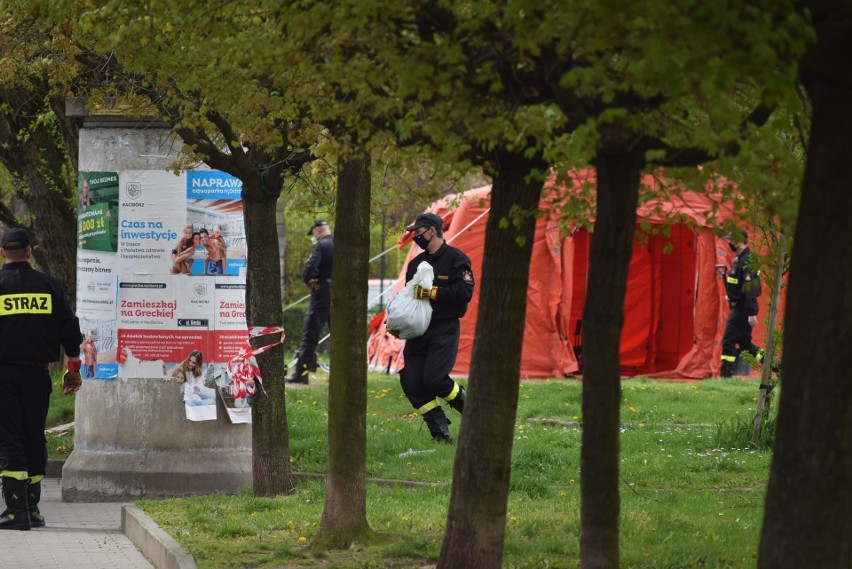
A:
317, 277
429, 358
742, 287
35, 321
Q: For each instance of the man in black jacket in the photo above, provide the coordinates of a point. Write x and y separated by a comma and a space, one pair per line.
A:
316, 275
429, 358
742, 287
35, 321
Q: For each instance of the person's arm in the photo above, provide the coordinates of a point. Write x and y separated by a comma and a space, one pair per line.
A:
310, 272
459, 291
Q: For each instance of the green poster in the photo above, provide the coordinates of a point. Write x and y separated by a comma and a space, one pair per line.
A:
97, 227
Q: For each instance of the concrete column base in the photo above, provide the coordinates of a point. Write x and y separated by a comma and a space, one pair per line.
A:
125, 476
132, 440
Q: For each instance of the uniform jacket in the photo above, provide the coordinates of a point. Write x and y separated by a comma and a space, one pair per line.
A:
453, 277
35, 316
742, 283
318, 265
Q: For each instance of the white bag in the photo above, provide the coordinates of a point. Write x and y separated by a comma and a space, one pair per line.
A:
408, 317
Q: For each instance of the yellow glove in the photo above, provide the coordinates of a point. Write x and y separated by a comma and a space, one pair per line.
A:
430, 293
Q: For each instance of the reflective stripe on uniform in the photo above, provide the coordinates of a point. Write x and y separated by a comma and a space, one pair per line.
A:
733, 280
428, 407
16, 474
39, 303
453, 393
36, 479
729, 358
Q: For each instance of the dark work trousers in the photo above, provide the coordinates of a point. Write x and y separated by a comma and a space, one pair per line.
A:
429, 359
24, 400
737, 335
318, 314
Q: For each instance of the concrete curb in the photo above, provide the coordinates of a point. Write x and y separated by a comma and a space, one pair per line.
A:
155, 544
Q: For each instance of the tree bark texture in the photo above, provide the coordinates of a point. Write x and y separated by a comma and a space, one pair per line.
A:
344, 517
603, 318
272, 474
42, 163
808, 517
477, 516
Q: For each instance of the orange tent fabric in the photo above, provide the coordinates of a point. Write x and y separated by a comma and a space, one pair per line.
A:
674, 308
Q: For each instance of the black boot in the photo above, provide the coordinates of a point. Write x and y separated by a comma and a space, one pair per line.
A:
727, 369
458, 401
17, 515
33, 498
300, 374
438, 425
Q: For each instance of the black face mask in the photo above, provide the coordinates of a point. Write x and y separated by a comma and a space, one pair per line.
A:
733, 247
421, 241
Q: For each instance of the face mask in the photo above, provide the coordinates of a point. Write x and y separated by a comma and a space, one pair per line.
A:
421, 241
733, 247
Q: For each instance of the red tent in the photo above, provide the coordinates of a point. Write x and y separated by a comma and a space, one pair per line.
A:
674, 308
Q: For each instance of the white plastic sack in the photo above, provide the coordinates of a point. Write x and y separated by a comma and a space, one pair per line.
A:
408, 317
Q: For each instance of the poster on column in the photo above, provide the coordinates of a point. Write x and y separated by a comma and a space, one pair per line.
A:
229, 338
181, 249
164, 332
97, 241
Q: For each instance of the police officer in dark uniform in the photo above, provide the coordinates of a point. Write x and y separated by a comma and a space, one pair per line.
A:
316, 275
430, 358
35, 320
742, 287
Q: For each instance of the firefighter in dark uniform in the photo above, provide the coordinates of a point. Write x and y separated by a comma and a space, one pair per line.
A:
430, 358
316, 275
35, 320
742, 287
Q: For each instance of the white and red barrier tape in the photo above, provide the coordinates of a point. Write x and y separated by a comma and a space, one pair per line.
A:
243, 368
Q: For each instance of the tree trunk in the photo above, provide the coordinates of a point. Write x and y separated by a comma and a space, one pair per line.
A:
603, 318
477, 516
344, 517
272, 475
808, 518
769, 350
42, 163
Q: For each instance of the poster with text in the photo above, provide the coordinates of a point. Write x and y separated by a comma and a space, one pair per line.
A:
215, 215
179, 297
97, 238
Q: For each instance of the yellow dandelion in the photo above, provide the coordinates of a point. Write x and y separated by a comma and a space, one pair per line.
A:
571, 481
302, 539
405, 518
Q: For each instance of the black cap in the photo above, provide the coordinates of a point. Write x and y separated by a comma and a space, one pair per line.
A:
317, 223
16, 238
738, 232
427, 220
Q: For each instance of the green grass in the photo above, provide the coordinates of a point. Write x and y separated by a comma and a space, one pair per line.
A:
61, 412
691, 490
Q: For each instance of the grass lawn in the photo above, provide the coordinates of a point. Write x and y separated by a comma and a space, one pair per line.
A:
61, 412
692, 496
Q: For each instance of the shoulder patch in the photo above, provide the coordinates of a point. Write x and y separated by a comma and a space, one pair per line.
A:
467, 277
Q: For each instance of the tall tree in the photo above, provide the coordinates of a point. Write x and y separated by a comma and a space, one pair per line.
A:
228, 118
808, 518
629, 105
344, 516
38, 145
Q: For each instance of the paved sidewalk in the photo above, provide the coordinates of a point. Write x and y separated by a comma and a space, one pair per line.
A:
77, 535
